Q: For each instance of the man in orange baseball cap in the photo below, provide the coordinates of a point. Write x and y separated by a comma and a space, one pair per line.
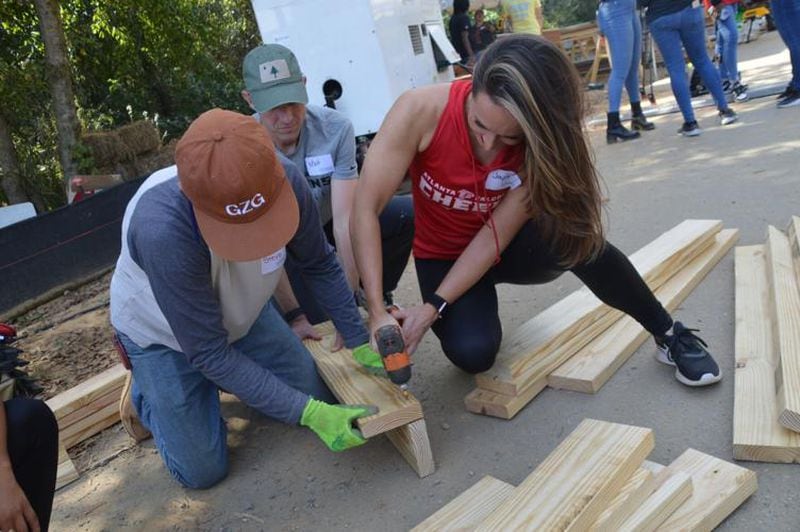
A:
203, 248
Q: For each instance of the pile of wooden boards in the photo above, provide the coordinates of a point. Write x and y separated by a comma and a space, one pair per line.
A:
598, 479
579, 342
766, 412
83, 411
399, 415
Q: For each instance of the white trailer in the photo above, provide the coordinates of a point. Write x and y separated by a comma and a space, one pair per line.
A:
360, 55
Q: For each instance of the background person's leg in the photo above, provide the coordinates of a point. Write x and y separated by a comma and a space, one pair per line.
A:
787, 18
632, 79
272, 344
728, 38
181, 408
397, 236
665, 33
32, 443
693, 36
615, 23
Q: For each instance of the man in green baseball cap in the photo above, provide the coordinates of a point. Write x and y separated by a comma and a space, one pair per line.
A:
320, 141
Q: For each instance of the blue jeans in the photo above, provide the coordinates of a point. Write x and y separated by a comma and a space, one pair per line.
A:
686, 28
728, 43
397, 235
181, 407
619, 22
787, 17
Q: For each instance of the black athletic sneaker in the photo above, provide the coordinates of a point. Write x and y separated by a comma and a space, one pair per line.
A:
791, 99
694, 365
785, 92
690, 129
727, 116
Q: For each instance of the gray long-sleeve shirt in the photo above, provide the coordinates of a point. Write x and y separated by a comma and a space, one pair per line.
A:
170, 289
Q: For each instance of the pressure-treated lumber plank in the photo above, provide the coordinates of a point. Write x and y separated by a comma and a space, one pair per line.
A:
625, 502
786, 313
572, 486
672, 491
413, 443
757, 435
591, 367
90, 425
66, 473
98, 404
527, 353
351, 384
719, 488
467, 510
85, 393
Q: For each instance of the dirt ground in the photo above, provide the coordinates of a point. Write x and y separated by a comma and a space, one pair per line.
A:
282, 478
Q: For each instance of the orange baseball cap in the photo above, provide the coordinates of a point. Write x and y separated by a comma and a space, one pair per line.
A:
244, 205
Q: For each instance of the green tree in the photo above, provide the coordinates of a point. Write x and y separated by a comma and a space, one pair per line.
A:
559, 13
166, 60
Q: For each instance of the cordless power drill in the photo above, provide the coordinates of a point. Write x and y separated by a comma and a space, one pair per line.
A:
396, 361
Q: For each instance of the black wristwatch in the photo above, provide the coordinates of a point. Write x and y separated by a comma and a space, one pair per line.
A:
437, 302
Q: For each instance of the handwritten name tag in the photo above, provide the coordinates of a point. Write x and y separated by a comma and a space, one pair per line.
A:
319, 164
502, 179
273, 262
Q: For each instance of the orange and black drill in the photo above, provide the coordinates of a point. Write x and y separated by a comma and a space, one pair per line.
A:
396, 361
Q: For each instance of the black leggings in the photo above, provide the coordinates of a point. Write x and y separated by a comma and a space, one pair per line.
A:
33, 450
470, 330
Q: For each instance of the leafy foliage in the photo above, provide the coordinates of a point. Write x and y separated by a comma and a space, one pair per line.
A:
559, 13
168, 61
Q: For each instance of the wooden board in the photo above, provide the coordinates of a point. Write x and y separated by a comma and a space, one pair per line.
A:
90, 425
467, 510
719, 488
413, 443
98, 404
786, 313
351, 384
757, 435
527, 354
672, 490
591, 367
85, 393
625, 502
576, 482
66, 473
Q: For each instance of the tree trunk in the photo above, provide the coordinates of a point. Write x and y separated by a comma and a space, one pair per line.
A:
9, 168
60, 81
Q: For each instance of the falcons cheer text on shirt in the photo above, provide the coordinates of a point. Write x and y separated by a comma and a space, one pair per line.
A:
498, 182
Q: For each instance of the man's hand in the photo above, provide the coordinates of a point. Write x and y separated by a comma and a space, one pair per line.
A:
16, 512
303, 329
416, 322
334, 423
369, 360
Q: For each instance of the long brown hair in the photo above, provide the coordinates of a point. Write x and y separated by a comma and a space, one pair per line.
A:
535, 82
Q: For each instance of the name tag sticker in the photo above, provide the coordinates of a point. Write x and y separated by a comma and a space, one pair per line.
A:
502, 179
319, 164
273, 262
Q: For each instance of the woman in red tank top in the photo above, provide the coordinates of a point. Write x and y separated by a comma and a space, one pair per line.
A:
505, 191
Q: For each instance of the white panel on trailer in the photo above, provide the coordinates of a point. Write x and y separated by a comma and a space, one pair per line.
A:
374, 49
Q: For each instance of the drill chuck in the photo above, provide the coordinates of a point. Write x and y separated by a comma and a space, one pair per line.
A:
392, 348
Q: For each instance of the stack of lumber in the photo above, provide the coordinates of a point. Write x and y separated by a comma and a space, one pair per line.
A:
85, 410
399, 415
598, 479
766, 411
579, 342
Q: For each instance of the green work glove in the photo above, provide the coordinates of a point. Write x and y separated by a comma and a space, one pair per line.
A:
369, 360
334, 423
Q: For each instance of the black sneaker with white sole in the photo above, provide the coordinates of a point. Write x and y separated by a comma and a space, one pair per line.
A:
727, 116
690, 129
791, 99
694, 365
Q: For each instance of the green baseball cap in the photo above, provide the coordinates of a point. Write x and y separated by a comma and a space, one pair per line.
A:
273, 77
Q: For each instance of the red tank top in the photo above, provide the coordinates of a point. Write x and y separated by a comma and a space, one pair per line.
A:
454, 193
